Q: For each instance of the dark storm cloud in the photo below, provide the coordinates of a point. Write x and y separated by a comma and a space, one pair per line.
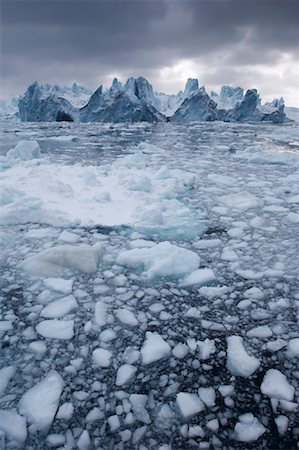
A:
68, 40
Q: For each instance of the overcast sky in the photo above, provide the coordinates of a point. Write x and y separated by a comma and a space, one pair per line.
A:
251, 43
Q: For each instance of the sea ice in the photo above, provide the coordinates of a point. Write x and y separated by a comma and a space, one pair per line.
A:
199, 277
239, 363
248, 429
102, 357
126, 317
293, 348
189, 404
25, 150
56, 329
39, 404
56, 260
101, 313
59, 308
13, 425
275, 385
59, 284
154, 348
125, 374
162, 260
6, 374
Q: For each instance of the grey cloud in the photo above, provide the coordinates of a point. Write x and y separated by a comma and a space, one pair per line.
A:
79, 40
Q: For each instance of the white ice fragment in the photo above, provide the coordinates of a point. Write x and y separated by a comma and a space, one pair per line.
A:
189, 404
84, 441
38, 347
39, 404
162, 260
180, 350
126, 317
262, 332
207, 395
24, 150
248, 429
242, 200
5, 325
59, 284
65, 411
293, 348
55, 440
94, 415
59, 308
138, 402
102, 357
282, 423
57, 260
239, 363
13, 425
67, 236
207, 243
228, 254
154, 348
141, 243
125, 374
211, 292
276, 385
6, 375
101, 313
254, 293
213, 425
199, 277
56, 329
107, 335
206, 348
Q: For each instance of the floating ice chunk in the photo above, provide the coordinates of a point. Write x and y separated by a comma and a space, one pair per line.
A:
59, 284
56, 329
213, 425
138, 402
254, 293
262, 332
126, 317
162, 260
293, 348
248, 429
293, 217
102, 357
57, 260
154, 348
65, 411
24, 150
39, 404
207, 243
101, 313
275, 346
55, 439
207, 395
107, 335
125, 374
211, 292
13, 425
67, 236
189, 405
84, 441
199, 277
59, 308
223, 180
276, 385
141, 243
6, 375
5, 325
242, 200
282, 423
38, 347
180, 350
239, 363
229, 254
206, 348
113, 422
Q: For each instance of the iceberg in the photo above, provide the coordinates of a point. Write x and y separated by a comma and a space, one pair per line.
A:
36, 106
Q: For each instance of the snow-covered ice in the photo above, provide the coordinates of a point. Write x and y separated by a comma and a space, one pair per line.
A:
39, 404
54, 328
275, 385
239, 362
154, 348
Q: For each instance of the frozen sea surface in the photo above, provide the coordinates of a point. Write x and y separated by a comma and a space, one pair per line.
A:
149, 296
